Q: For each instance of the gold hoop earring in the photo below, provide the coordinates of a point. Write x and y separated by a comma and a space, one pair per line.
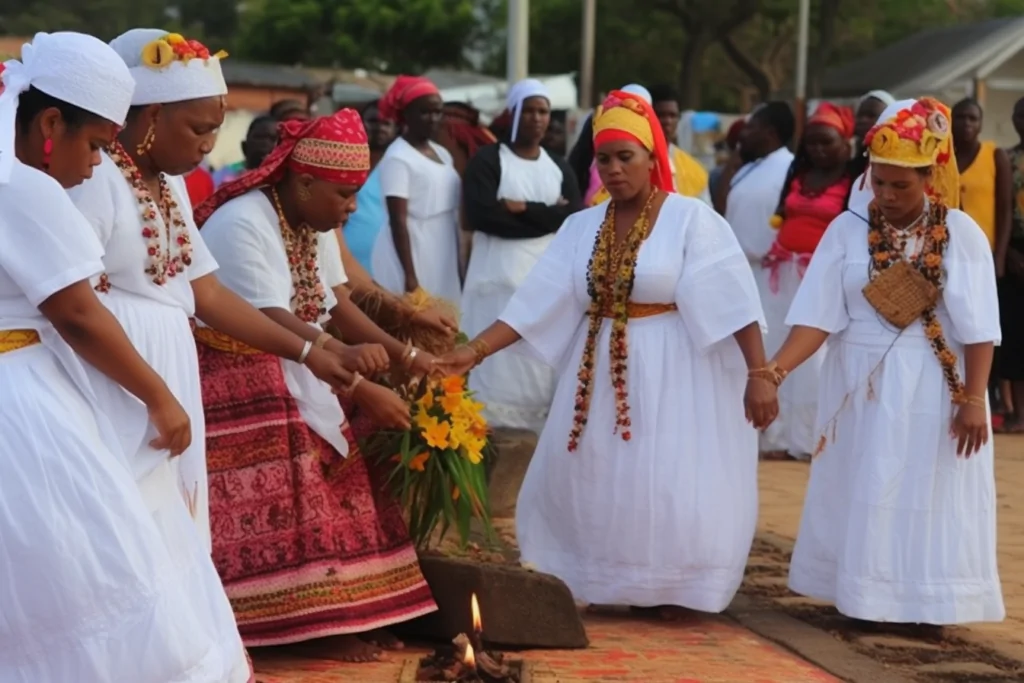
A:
147, 141
303, 193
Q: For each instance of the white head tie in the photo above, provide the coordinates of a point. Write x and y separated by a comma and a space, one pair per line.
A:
639, 91
519, 93
882, 96
161, 75
71, 67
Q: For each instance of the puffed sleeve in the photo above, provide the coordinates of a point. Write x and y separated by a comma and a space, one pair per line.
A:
716, 293
969, 293
94, 199
331, 265
394, 177
544, 309
820, 302
47, 244
254, 266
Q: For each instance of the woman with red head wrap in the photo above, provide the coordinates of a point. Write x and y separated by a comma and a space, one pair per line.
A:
815, 192
420, 248
349, 568
646, 308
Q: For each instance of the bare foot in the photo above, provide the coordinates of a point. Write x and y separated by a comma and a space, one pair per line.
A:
347, 648
383, 639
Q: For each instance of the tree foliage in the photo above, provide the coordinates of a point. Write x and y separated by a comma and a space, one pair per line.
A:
390, 35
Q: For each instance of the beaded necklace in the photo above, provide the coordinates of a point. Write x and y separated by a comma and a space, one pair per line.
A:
887, 245
610, 276
308, 300
164, 262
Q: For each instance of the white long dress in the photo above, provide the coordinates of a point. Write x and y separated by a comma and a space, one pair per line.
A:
89, 591
246, 232
667, 517
515, 390
432, 191
753, 200
895, 526
156, 319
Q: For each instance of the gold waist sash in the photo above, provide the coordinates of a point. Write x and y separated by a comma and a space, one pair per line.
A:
222, 342
635, 310
12, 340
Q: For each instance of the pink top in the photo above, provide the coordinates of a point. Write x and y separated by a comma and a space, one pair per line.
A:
807, 217
593, 186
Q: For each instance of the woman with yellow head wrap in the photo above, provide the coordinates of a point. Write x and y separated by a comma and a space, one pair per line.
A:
899, 518
646, 308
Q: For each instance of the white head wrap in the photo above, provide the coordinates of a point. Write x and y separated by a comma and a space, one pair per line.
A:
862, 194
177, 82
519, 93
639, 91
72, 67
880, 95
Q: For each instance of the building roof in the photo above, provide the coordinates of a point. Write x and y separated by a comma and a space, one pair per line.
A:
446, 78
929, 60
255, 75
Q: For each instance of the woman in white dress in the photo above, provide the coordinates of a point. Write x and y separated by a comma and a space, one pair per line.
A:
419, 248
643, 488
516, 196
899, 522
90, 592
158, 274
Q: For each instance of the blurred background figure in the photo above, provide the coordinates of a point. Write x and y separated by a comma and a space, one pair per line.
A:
260, 138
363, 226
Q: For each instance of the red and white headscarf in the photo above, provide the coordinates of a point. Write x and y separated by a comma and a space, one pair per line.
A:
330, 148
402, 92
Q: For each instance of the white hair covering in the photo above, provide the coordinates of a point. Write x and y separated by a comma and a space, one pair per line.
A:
72, 67
861, 194
639, 91
882, 96
176, 82
519, 93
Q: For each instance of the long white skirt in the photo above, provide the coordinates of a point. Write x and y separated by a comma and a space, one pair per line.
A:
895, 526
163, 337
668, 517
435, 256
793, 430
89, 592
515, 389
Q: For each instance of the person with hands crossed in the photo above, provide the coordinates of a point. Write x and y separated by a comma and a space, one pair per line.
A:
899, 517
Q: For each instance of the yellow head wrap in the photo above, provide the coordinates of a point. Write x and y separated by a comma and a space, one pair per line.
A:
919, 137
627, 116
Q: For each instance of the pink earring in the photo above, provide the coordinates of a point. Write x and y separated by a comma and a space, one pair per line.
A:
47, 151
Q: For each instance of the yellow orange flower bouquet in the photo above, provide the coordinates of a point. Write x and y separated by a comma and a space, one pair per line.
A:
437, 466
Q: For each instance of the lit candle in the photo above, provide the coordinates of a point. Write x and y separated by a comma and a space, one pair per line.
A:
478, 624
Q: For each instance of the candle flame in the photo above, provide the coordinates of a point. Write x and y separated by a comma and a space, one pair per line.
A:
478, 624
469, 659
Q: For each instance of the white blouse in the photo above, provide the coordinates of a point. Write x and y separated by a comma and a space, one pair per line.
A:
109, 204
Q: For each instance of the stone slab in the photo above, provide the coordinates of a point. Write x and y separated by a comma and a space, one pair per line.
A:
519, 608
514, 450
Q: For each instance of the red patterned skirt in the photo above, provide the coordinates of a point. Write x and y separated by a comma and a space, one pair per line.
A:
304, 550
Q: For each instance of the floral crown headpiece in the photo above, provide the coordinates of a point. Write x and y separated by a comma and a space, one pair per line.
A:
919, 137
174, 47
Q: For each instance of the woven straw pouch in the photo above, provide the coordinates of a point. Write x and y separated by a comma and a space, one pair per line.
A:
901, 294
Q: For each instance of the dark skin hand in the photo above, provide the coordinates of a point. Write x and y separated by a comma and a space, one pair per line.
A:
971, 424
94, 334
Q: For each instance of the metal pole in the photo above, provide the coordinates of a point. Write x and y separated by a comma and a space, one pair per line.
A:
518, 63
803, 39
587, 54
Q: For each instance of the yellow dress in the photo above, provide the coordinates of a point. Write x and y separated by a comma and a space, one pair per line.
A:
689, 177
978, 190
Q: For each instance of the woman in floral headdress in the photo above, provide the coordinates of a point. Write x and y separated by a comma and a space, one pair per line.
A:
158, 272
899, 517
305, 543
421, 188
814, 193
643, 488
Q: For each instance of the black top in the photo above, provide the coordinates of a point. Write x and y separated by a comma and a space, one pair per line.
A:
582, 154
484, 212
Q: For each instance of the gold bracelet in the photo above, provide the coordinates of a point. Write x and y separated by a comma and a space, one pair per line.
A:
770, 373
481, 348
321, 341
976, 401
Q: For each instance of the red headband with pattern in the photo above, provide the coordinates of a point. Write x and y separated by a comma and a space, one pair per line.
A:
334, 149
